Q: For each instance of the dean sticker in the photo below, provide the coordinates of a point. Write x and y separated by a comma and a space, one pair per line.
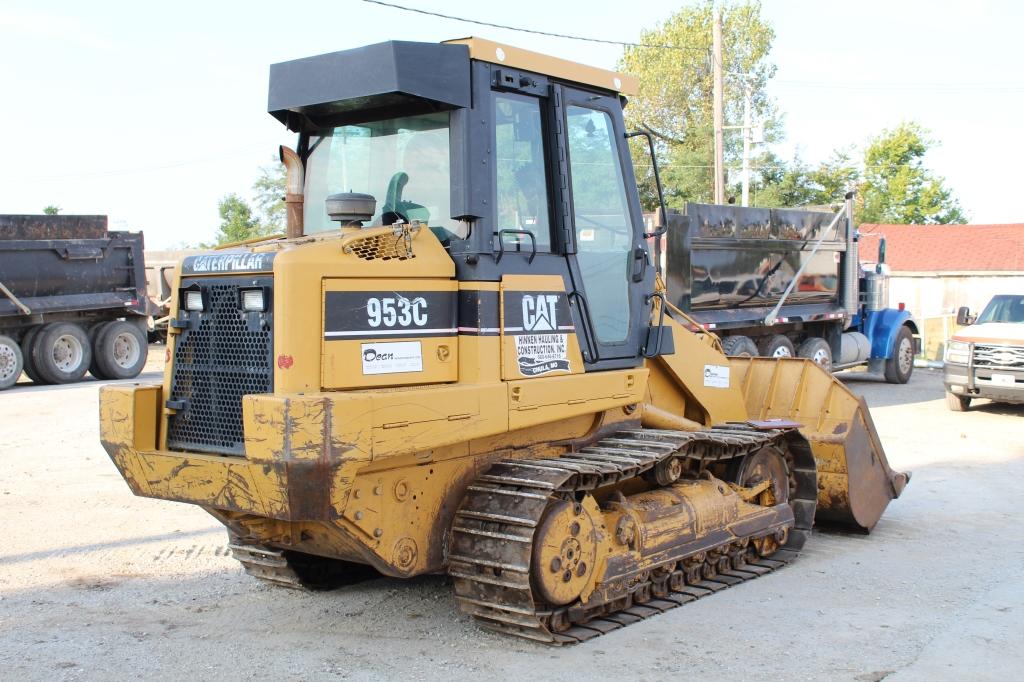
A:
716, 376
392, 358
542, 353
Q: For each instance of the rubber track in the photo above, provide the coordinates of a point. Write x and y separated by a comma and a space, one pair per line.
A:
492, 535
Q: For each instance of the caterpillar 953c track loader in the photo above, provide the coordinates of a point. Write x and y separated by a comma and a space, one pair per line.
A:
477, 371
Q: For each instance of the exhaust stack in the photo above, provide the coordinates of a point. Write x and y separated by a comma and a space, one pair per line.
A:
293, 199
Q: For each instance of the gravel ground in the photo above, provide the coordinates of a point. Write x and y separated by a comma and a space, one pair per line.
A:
98, 584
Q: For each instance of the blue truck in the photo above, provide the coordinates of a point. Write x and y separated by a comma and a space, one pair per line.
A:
787, 282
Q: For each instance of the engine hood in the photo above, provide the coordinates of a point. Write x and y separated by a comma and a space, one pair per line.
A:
1003, 333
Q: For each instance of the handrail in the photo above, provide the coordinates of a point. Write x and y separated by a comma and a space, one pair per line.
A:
661, 324
588, 323
501, 243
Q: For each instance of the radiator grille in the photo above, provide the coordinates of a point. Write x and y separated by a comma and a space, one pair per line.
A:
228, 356
999, 356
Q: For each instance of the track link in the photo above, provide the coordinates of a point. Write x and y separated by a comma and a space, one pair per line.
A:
266, 564
492, 535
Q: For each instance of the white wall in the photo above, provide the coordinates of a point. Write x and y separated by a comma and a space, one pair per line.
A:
941, 294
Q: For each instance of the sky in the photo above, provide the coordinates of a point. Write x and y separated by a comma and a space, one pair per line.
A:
150, 113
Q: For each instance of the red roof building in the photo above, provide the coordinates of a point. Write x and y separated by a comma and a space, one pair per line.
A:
938, 268
962, 249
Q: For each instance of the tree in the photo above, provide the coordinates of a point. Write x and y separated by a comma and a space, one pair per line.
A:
237, 221
52, 210
832, 179
269, 190
897, 188
675, 104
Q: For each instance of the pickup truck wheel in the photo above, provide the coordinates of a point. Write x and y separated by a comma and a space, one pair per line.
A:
900, 366
11, 362
61, 352
739, 346
957, 403
776, 346
120, 350
818, 350
26, 351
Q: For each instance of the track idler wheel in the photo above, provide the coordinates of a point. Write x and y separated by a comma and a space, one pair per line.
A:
771, 465
565, 552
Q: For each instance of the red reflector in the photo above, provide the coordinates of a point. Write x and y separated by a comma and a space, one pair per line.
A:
903, 306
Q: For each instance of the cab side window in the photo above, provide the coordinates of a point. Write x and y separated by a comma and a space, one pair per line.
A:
522, 188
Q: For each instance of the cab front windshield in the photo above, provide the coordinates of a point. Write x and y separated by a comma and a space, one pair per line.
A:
402, 162
1005, 308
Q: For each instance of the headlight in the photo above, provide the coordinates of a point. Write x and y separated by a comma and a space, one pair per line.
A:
193, 300
957, 352
253, 300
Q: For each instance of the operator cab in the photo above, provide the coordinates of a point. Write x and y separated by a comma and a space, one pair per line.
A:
517, 162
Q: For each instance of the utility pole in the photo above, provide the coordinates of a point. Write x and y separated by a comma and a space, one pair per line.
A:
747, 135
716, 65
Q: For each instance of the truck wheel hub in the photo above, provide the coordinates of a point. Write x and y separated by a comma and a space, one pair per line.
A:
8, 362
126, 350
67, 353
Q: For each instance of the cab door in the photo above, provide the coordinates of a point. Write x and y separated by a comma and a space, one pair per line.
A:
609, 266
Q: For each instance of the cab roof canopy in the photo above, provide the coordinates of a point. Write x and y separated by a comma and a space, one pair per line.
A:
366, 83
402, 77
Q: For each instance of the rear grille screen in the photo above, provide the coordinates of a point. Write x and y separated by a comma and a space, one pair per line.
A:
228, 356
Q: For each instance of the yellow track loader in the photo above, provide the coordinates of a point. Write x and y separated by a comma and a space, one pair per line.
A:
461, 359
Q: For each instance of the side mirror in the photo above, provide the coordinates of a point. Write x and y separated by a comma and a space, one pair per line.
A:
963, 316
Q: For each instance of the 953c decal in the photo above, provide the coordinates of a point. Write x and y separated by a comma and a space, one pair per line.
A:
389, 314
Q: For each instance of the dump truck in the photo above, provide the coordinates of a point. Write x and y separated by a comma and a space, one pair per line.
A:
785, 282
461, 360
72, 299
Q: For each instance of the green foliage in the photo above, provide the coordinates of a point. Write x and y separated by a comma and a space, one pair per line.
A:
237, 221
675, 105
897, 188
269, 190
52, 210
778, 183
675, 102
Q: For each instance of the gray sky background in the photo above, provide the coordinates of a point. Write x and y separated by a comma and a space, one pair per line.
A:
151, 112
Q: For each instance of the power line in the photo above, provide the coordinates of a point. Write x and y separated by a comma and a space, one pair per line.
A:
530, 30
903, 87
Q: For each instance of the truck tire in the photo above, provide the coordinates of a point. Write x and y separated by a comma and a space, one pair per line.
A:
26, 352
817, 349
957, 403
739, 346
900, 366
120, 351
11, 362
94, 336
777, 346
61, 352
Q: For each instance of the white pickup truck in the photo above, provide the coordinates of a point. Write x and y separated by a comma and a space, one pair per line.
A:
986, 359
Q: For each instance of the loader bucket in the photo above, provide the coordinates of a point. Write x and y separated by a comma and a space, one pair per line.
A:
855, 482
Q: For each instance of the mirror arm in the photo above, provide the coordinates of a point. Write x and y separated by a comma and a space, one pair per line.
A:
660, 229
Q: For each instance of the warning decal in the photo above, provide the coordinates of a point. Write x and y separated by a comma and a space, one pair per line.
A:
542, 353
716, 376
